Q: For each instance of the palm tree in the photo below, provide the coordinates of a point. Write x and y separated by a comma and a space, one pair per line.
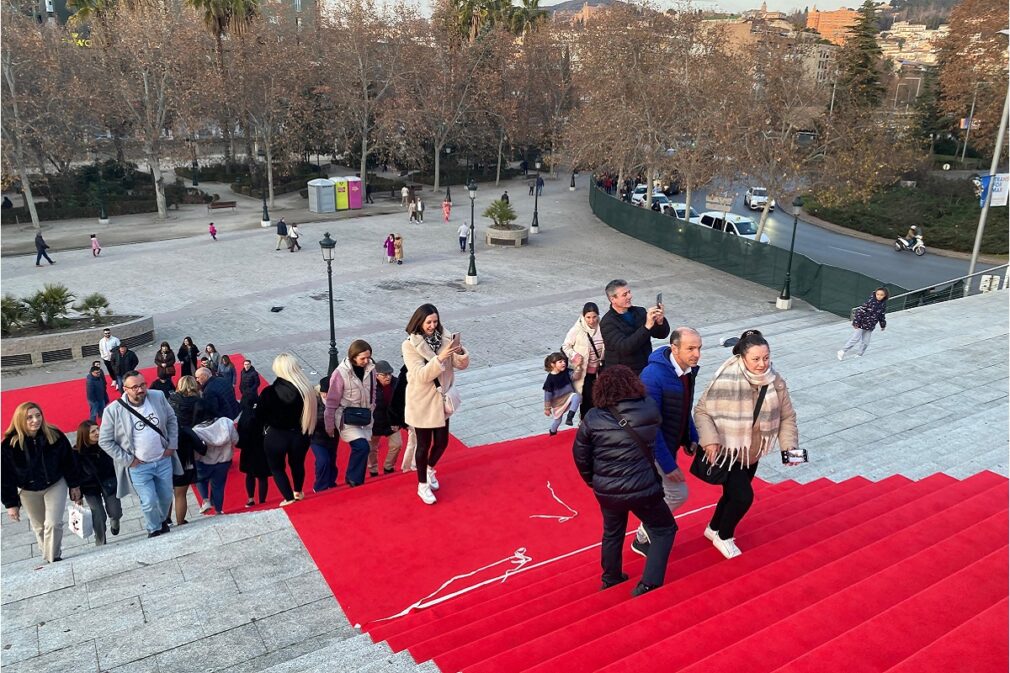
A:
526, 17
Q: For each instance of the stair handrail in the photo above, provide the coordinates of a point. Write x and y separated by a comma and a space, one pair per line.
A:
955, 288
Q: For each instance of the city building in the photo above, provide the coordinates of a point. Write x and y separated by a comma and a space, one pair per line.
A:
742, 35
833, 26
911, 43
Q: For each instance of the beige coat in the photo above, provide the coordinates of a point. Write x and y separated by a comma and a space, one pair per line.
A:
578, 341
423, 407
788, 434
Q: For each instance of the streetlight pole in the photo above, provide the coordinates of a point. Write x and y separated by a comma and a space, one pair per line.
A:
471, 274
327, 246
535, 225
993, 167
265, 221
785, 301
971, 117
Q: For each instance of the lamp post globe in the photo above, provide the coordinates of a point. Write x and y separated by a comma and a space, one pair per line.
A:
327, 246
785, 300
471, 274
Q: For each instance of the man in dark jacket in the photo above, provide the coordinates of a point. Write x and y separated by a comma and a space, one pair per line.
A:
40, 250
628, 330
218, 397
383, 423
282, 233
96, 392
669, 380
123, 360
249, 385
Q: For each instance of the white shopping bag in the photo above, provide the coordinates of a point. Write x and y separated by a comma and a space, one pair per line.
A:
80, 520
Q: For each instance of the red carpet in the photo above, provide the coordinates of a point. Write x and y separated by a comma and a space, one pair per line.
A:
900, 576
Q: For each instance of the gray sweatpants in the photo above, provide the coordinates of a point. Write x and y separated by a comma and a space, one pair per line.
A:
860, 340
674, 494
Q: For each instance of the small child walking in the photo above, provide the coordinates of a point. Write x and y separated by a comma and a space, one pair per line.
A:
398, 249
293, 236
866, 317
212, 230
390, 246
559, 393
96, 247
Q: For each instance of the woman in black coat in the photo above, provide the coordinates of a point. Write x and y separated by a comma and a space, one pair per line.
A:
97, 473
620, 470
188, 407
188, 356
252, 459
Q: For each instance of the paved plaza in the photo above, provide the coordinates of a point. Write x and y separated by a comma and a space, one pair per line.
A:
240, 593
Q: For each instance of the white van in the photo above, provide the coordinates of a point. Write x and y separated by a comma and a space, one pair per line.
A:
731, 223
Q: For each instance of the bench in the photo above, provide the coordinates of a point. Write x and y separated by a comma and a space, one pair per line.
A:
218, 205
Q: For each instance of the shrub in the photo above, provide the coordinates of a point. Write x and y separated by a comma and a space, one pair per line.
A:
93, 305
501, 213
12, 313
48, 308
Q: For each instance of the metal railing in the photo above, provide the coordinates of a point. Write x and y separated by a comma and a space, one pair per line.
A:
990, 280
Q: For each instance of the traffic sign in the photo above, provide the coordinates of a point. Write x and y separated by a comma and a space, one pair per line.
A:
721, 202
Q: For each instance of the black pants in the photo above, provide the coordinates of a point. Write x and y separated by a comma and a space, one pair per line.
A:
112, 374
587, 394
39, 254
737, 497
431, 443
294, 445
250, 487
659, 523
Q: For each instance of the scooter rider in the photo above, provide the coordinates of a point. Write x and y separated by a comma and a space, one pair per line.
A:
913, 231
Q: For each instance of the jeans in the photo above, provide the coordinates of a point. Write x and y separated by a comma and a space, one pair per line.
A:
153, 484
212, 478
462, 243
96, 411
293, 445
103, 507
737, 497
661, 528
357, 461
431, 443
674, 495
860, 340
326, 466
39, 254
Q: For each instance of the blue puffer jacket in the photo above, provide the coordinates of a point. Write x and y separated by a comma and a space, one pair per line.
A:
869, 314
611, 461
95, 389
666, 388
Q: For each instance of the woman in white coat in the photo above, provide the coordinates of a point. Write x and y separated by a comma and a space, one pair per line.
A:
352, 390
431, 359
586, 340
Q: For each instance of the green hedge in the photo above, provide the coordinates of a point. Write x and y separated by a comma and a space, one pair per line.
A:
946, 210
12, 215
458, 175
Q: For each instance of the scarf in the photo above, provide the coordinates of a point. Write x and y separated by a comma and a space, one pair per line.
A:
434, 342
730, 401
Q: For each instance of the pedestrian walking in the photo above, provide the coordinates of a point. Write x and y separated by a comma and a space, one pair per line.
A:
323, 444
107, 345
586, 339
287, 409
40, 250
293, 236
533, 186
96, 247
383, 423
350, 403
420, 210
188, 357
463, 232
864, 320
446, 210
96, 392
398, 248
412, 211
404, 194
282, 234
212, 230
505, 197
540, 185
368, 193
389, 245
97, 474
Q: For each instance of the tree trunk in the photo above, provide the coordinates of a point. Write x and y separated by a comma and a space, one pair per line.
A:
648, 187
501, 143
26, 192
764, 219
270, 174
554, 163
438, 155
159, 188
364, 160
687, 201
117, 142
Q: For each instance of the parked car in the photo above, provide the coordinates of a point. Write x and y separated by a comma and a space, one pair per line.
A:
638, 195
756, 198
677, 210
731, 223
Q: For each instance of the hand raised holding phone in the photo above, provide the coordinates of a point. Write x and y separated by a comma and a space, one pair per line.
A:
452, 347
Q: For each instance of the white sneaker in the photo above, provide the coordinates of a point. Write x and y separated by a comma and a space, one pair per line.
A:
425, 494
711, 534
841, 354
205, 507
727, 547
432, 481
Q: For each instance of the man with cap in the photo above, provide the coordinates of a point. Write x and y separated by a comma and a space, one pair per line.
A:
381, 423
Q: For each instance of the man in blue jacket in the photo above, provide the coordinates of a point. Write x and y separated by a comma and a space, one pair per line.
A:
669, 380
218, 396
97, 393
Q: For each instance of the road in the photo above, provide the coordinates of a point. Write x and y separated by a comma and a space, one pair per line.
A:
876, 260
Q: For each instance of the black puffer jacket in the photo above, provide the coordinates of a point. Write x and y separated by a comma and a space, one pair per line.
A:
611, 461
280, 406
35, 466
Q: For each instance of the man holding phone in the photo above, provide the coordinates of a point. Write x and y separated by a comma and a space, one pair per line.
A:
628, 330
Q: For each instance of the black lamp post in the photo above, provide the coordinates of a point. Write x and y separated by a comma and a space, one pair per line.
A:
535, 226
571, 187
448, 194
327, 246
785, 301
265, 220
471, 274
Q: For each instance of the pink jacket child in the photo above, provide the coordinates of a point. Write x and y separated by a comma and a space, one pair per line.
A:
390, 246
96, 247
446, 209
212, 230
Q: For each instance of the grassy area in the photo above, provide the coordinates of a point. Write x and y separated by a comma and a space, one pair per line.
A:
945, 210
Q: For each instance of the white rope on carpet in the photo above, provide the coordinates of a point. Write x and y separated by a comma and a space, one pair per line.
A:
560, 519
519, 558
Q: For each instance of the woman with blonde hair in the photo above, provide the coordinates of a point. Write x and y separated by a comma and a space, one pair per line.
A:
287, 409
185, 401
97, 473
36, 470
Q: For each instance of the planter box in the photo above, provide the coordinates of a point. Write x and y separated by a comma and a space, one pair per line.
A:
512, 238
41, 349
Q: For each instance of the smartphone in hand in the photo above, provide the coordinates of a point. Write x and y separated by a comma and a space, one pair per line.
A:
659, 299
454, 342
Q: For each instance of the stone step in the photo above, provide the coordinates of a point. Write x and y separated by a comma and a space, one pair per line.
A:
336, 656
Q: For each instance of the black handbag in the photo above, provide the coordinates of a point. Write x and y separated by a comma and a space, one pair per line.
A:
359, 416
718, 474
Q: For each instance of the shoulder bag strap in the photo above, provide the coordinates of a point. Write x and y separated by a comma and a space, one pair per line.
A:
592, 344
626, 424
142, 419
760, 401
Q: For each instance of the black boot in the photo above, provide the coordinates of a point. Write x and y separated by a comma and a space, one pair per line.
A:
570, 420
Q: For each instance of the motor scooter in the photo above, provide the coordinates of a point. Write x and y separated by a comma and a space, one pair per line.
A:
919, 248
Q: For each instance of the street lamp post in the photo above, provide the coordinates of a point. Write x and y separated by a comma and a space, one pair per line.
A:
327, 246
265, 220
535, 226
785, 301
471, 274
571, 187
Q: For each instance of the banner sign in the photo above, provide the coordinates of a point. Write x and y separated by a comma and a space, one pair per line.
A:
1000, 189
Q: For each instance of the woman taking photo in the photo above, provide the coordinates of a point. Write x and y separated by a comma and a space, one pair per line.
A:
586, 340
97, 473
741, 416
613, 452
287, 409
213, 358
164, 360
431, 358
350, 402
186, 403
188, 357
36, 470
